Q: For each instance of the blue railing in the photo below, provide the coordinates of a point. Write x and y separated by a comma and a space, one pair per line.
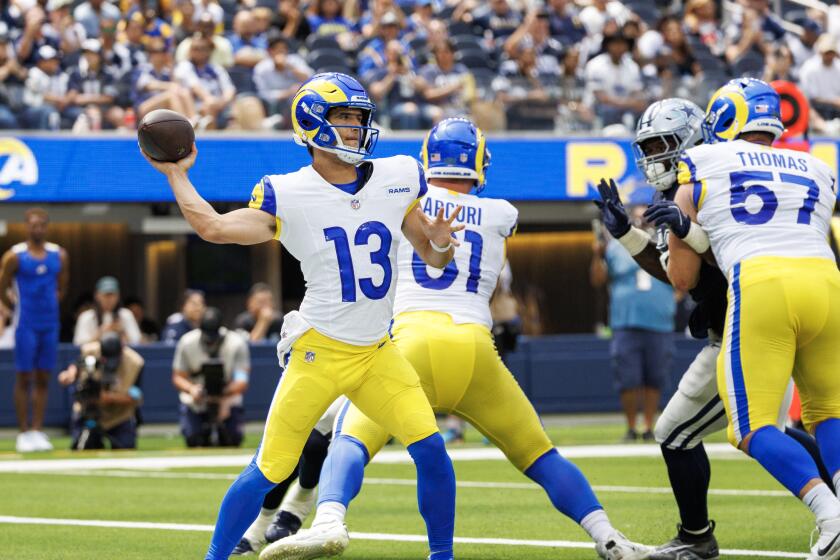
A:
564, 373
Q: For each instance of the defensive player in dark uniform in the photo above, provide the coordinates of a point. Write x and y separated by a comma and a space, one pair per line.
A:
666, 129
37, 272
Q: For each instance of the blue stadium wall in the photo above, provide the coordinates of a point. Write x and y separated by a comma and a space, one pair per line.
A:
43, 169
560, 374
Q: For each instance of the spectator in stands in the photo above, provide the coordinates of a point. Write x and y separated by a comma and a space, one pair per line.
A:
820, 78
373, 57
371, 21
12, 76
325, 18
448, 85
90, 12
779, 65
642, 319
535, 33
184, 26
209, 83
438, 33
113, 412
117, 57
155, 87
107, 315
45, 93
210, 369
421, 18
401, 91
210, 8
700, 20
614, 84
529, 94
564, 24
595, 16
290, 20
32, 38
222, 51
278, 77
149, 329
132, 35
260, 320
576, 115
672, 56
249, 47
157, 16
179, 324
804, 47
497, 18
752, 30
61, 25
92, 91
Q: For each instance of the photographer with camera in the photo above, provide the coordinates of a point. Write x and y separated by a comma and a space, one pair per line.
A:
106, 394
211, 369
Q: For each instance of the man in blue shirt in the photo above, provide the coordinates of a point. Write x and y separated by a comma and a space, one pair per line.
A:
642, 320
37, 272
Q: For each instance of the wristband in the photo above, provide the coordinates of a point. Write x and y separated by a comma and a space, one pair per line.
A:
440, 249
697, 239
634, 241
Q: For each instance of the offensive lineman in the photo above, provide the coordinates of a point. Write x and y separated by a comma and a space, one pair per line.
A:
664, 131
767, 214
442, 326
339, 217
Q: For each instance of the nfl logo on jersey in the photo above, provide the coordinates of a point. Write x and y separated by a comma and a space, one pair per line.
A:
355, 204
309, 357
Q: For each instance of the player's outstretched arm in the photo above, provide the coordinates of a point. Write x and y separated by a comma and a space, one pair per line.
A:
245, 226
683, 261
432, 239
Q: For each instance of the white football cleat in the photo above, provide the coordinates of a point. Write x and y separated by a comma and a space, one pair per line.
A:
319, 541
41, 441
618, 547
827, 546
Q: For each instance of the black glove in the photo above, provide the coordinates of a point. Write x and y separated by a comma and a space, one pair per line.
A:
667, 213
612, 210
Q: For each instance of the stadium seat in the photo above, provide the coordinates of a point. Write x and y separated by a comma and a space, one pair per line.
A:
343, 69
327, 57
242, 78
750, 65
322, 42
474, 58
461, 28
647, 10
462, 41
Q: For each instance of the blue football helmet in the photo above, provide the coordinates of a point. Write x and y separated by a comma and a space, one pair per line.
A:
456, 149
311, 105
743, 105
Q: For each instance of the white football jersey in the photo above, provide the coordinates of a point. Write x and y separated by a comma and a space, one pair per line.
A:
462, 289
756, 201
346, 243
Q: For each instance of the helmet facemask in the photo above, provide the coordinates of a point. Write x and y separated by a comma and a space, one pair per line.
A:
659, 167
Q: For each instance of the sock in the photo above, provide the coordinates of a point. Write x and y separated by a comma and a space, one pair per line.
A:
822, 502
329, 512
435, 493
312, 459
272, 499
784, 458
565, 485
240, 507
343, 471
299, 501
810, 444
598, 525
690, 473
828, 439
256, 532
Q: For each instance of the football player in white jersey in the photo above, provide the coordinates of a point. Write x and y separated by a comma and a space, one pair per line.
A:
341, 218
442, 325
664, 131
767, 215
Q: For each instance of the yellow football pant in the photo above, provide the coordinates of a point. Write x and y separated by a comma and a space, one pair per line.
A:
377, 378
783, 316
462, 374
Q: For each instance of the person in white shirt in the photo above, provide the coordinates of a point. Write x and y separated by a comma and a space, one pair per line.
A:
210, 83
106, 316
594, 16
45, 93
614, 83
819, 78
279, 76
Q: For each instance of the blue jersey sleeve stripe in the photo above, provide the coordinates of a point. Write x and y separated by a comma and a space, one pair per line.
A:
692, 169
269, 198
423, 186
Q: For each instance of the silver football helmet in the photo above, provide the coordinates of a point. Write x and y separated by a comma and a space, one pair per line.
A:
676, 122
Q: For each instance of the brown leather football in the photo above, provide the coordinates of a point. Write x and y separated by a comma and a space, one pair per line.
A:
165, 135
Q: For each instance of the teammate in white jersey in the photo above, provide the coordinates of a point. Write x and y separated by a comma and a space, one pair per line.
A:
340, 217
442, 326
767, 213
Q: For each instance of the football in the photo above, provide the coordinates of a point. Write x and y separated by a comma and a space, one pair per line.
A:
165, 135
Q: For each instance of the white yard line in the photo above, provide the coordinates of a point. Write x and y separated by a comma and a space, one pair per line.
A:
360, 536
717, 450
412, 482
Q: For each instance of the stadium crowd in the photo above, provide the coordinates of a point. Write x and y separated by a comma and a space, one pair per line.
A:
509, 64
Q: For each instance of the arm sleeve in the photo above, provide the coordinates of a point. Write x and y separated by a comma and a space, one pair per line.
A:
242, 357
132, 331
179, 361
85, 329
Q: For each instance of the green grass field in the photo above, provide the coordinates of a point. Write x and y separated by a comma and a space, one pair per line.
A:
767, 525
